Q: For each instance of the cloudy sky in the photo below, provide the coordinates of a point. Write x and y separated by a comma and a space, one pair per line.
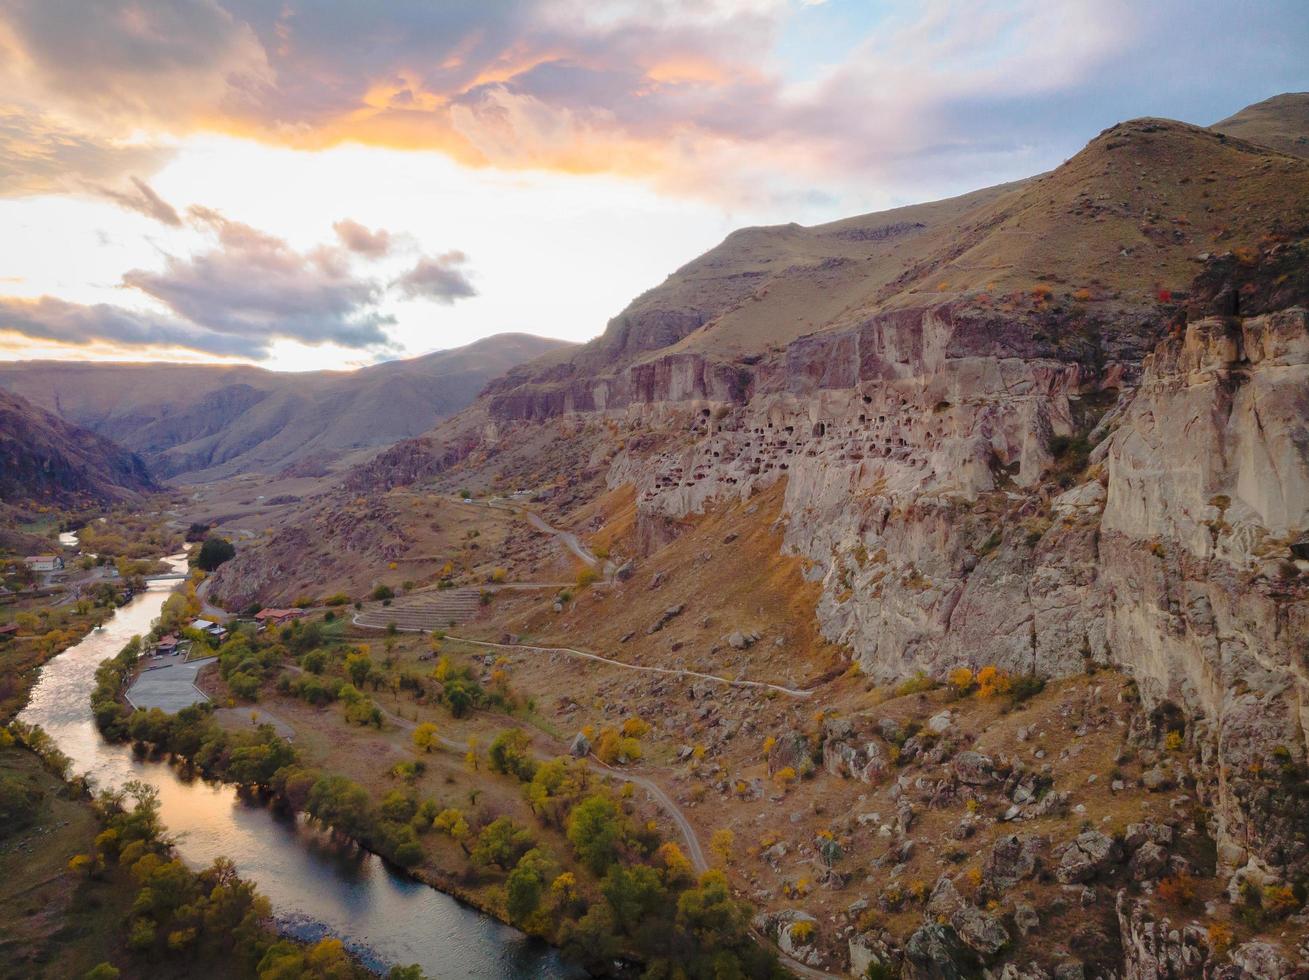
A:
310, 183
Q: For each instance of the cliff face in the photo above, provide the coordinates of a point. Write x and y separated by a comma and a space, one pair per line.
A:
966, 501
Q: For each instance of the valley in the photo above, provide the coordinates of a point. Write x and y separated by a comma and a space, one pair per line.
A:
920, 595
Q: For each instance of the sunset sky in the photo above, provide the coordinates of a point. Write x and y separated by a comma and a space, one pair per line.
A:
320, 184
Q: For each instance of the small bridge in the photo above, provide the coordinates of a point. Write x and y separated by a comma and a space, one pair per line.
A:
169, 577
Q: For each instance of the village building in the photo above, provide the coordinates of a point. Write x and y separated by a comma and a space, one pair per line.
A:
277, 617
210, 628
45, 563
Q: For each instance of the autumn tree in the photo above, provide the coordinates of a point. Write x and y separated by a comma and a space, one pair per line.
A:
425, 736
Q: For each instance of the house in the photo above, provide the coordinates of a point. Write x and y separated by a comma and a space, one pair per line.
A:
8, 631
277, 617
209, 628
45, 563
167, 645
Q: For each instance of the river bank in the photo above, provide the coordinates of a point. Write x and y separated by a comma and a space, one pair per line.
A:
317, 885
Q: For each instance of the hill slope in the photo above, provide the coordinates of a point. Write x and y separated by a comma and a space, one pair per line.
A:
43, 459
1116, 226
202, 422
1281, 122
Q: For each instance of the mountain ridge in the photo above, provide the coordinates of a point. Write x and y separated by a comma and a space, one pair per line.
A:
204, 422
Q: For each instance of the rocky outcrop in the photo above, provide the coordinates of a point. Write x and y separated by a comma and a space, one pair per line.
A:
1155, 949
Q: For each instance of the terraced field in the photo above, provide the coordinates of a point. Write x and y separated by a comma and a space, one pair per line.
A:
430, 610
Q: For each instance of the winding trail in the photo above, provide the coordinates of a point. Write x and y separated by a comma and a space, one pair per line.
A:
674, 671
570, 540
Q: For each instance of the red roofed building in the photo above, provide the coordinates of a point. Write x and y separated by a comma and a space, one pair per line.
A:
276, 617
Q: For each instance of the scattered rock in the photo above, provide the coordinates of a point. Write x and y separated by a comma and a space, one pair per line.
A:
935, 952
980, 930
1014, 858
672, 612
1148, 862
580, 747
1025, 918
1086, 856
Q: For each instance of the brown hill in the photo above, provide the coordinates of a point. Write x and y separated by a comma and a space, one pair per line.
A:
1115, 226
1281, 122
45, 460
202, 422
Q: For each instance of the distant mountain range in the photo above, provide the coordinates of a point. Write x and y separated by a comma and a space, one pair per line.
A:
203, 422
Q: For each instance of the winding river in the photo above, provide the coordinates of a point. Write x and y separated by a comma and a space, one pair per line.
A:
316, 885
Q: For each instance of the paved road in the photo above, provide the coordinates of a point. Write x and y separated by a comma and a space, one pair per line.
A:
210, 612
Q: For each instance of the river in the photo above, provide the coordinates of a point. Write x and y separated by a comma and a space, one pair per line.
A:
317, 886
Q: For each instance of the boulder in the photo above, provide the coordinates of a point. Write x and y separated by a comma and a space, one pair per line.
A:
1025, 918
1086, 856
1014, 858
979, 930
740, 640
580, 747
1148, 862
1260, 959
935, 952
940, 723
1156, 780
945, 898
974, 769
668, 614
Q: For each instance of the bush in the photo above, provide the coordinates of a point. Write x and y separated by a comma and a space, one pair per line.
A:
383, 592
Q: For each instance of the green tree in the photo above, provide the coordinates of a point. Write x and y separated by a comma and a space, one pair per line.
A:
595, 830
214, 552
509, 754
635, 894
501, 843
526, 884
358, 666
340, 803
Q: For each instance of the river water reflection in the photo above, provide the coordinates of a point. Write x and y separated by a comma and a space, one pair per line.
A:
316, 886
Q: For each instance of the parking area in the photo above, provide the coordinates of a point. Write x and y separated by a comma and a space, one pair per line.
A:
171, 687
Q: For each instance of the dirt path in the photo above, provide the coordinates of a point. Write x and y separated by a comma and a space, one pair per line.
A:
586, 655
568, 538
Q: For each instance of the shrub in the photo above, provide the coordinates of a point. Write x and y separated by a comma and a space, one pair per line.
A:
1178, 889
961, 681
802, 932
1220, 938
917, 684
502, 843
425, 736
991, 682
1025, 686
382, 592
587, 576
